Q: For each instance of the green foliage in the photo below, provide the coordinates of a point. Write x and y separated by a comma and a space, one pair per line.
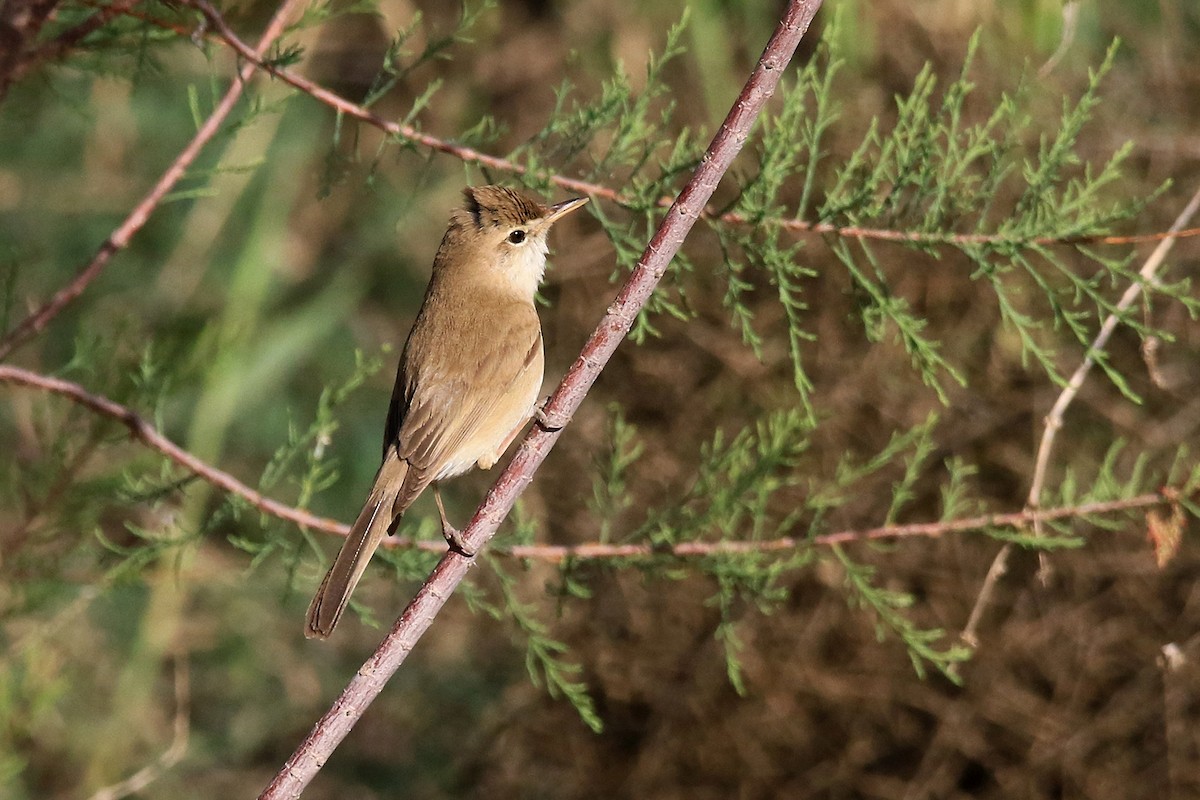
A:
744, 581
610, 480
956, 492
231, 319
624, 138
936, 180
301, 463
889, 607
736, 481
543, 653
736, 495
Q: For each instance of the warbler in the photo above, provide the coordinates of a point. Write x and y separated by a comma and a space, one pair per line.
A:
469, 377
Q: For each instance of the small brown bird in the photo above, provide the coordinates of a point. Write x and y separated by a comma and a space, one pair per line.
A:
469, 376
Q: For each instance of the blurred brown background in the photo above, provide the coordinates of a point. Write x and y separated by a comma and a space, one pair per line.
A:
304, 240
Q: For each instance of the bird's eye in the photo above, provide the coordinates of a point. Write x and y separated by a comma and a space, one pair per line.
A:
517, 236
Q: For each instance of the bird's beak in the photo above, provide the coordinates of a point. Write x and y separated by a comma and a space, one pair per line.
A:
560, 210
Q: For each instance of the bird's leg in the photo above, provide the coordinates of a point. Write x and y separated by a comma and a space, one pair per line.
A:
453, 535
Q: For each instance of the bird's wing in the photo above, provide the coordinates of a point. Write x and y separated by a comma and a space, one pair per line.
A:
441, 401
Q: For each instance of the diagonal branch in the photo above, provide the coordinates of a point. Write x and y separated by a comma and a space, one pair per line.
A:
72, 38
119, 239
596, 190
143, 431
21, 23
140, 780
369, 681
1054, 420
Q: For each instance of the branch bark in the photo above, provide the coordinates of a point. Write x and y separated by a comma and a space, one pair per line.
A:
369, 681
141, 430
596, 190
21, 22
119, 239
1054, 420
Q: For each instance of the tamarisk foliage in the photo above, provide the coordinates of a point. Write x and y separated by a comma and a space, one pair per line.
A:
256, 320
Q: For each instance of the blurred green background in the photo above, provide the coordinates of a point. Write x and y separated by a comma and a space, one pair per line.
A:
298, 240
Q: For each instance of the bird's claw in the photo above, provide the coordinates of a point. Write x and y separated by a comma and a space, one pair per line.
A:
457, 542
547, 422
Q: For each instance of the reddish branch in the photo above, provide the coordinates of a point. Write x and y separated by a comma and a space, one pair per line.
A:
317, 747
21, 23
471, 155
144, 432
141, 430
684, 211
1054, 419
150, 19
119, 238
73, 37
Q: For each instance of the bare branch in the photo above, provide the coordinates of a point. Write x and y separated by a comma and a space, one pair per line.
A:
369, 681
1016, 520
119, 239
141, 430
181, 728
596, 190
73, 37
21, 23
1054, 420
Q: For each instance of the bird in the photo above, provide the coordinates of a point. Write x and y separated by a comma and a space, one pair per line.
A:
469, 376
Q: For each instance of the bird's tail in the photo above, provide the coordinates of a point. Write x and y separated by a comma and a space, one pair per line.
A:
368, 531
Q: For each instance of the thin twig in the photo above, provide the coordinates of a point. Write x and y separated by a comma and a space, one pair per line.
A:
181, 727
158, 22
369, 681
596, 190
1054, 420
1013, 520
141, 430
1179, 673
119, 239
21, 23
58, 47
1070, 26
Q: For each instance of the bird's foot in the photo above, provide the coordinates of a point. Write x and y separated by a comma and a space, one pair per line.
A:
454, 536
457, 542
548, 422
